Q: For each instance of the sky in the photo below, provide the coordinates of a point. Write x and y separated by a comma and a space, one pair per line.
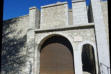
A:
15, 8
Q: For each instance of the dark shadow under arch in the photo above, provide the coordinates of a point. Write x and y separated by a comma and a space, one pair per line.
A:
88, 59
58, 39
61, 40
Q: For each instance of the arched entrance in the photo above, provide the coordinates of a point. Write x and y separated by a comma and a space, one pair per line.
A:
88, 59
56, 56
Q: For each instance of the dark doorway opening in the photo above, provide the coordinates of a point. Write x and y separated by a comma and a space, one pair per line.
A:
88, 59
56, 56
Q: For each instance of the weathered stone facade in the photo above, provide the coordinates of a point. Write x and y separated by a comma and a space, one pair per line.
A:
24, 36
56, 13
83, 35
14, 48
79, 18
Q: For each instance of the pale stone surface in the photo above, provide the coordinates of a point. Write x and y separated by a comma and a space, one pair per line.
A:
86, 73
69, 34
54, 16
79, 13
34, 18
70, 17
101, 35
105, 15
78, 38
26, 34
14, 45
102, 43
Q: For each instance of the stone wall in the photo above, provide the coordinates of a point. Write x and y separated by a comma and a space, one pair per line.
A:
15, 32
101, 37
105, 15
77, 37
70, 17
85, 34
54, 15
14, 45
105, 11
79, 11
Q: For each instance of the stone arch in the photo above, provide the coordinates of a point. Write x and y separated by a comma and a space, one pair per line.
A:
44, 40
94, 49
54, 34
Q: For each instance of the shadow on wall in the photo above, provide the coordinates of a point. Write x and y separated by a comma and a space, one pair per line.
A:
12, 45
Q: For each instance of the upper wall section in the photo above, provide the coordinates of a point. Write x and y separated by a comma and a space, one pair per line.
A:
105, 11
14, 45
70, 17
16, 27
105, 15
79, 13
54, 15
34, 18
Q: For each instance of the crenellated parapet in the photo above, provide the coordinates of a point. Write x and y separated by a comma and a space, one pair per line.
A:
54, 15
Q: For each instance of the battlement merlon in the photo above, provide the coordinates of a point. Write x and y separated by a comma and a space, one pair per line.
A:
55, 4
79, 11
54, 15
34, 18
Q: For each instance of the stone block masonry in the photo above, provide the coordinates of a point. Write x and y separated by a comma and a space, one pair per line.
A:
54, 15
23, 36
79, 13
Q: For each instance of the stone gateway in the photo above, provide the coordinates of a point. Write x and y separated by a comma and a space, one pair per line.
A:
58, 40
56, 56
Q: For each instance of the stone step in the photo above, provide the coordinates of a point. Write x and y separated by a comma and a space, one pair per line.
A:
86, 72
